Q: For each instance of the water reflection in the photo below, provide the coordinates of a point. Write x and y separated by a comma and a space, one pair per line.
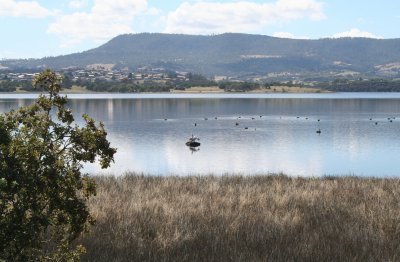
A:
284, 139
194, 149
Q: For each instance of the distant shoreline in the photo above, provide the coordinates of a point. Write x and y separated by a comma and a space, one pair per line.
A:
271, 90
193, 90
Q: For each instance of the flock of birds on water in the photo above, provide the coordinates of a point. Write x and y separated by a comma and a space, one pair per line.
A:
390, 119
193, 139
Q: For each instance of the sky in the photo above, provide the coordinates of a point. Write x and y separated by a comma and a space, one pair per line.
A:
39, 28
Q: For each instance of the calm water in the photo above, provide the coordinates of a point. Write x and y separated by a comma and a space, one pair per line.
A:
283, 139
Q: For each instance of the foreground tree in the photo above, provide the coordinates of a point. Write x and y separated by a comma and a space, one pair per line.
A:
43, 192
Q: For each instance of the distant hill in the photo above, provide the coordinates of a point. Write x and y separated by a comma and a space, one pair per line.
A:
237, 55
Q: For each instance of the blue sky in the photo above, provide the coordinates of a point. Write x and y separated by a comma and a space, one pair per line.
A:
32, 29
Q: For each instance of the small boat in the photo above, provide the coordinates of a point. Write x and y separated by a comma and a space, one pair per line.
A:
193, 142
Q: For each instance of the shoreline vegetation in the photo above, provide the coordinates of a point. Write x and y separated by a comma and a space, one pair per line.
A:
244, 218
193, 90
275, 89
200, 84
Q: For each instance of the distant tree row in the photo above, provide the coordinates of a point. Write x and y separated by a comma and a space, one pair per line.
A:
195, 80
238, 86
360, 85
127, 87
11, 86
133, 86
192, 80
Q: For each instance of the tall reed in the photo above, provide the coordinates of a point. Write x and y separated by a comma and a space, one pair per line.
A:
244, 218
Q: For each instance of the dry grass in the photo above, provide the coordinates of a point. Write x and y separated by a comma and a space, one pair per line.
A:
236, 218
200, 89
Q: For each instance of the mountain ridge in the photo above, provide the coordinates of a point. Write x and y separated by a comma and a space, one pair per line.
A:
235, 54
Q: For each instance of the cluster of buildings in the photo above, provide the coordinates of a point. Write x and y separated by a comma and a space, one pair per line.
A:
101, 74
17, 77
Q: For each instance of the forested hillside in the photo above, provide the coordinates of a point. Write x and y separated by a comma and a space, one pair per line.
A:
235, 55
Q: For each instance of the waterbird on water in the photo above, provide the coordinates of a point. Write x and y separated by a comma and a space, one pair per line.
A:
318, 131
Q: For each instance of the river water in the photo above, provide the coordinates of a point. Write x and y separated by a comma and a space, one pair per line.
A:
274, 132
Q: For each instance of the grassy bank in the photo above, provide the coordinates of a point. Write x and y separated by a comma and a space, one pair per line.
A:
235, 218
273, 89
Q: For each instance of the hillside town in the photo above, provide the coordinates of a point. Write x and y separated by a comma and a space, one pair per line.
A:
102, 74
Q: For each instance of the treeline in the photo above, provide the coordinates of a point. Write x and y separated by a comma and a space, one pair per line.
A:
249, 86
127, 87
11, 86
360, 85
338, 85
134, 86
195, 80
238, 86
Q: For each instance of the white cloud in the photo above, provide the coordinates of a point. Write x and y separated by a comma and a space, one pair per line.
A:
78, 4
244, 16
355, 32
30, 9
105, 20
288, 35
153, 11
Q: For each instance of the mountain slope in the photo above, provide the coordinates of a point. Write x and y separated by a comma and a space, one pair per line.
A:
232, 54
